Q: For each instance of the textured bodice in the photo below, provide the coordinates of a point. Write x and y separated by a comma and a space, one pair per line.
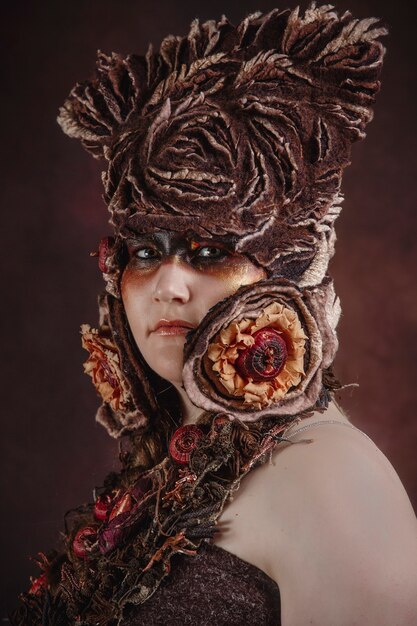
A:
212, 588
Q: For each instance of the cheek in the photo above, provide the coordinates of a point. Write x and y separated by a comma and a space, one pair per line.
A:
134, 290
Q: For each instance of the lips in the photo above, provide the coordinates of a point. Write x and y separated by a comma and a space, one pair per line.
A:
172, 327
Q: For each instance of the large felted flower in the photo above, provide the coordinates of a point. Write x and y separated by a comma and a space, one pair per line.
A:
300, 342
103, 365
260, 366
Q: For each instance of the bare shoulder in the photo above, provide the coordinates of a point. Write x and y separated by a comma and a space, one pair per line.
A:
336, 462
345, 533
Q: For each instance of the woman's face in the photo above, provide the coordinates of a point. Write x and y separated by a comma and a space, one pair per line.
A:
171, 277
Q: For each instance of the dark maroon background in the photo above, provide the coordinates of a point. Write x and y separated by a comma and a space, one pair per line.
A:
53, 215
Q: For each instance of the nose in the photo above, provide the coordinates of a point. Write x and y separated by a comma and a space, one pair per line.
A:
172, 282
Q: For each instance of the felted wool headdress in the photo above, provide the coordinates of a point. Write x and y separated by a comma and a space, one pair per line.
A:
240, 131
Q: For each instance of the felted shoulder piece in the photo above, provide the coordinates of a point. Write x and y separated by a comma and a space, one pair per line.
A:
332, 59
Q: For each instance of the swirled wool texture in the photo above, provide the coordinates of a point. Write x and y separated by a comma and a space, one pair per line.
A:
243, 130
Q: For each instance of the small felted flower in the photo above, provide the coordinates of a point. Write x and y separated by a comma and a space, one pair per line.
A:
262, 350
183, 442
103, 365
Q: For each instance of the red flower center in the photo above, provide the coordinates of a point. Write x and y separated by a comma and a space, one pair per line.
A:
108, 374
265, 358
183, 442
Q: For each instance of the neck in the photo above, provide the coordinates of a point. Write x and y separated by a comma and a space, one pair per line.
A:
190, 411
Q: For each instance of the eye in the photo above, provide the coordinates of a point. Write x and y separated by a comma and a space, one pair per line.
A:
211, 252
146, 253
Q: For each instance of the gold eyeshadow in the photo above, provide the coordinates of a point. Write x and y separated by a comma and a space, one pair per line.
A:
236, 271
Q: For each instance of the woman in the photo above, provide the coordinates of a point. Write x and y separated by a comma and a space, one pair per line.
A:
216, 338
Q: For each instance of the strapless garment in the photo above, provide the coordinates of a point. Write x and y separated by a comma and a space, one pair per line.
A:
212, 588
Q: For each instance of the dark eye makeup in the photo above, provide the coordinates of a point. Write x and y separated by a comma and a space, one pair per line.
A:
148, 249
201, 253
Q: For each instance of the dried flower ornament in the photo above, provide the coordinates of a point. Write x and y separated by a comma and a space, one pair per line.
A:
38, 584
103, 365
102, 507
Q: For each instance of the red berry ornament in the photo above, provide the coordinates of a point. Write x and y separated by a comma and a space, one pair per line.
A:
83, 541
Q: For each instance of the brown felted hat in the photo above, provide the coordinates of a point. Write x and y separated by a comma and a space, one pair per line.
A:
241, 131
